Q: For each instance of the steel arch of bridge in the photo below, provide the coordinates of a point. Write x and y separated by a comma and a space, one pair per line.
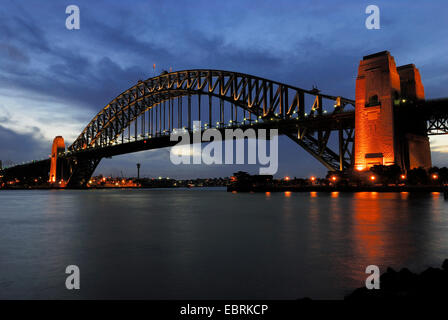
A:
260, 100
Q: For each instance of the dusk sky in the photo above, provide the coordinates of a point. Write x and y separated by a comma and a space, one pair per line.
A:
53, 81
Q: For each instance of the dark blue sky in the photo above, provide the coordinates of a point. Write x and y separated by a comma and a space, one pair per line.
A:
53, 81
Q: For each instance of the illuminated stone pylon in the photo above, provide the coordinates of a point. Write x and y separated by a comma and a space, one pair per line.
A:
55, 168
383, 136
411, 131
377, 86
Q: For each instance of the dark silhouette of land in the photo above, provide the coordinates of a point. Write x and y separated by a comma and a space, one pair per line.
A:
431, 284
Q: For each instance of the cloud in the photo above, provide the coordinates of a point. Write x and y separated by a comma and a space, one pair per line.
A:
16, 148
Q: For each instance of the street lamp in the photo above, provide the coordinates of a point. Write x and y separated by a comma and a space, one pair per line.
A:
138, 171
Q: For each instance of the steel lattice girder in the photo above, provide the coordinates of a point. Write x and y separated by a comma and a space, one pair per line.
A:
438, 126
434, 111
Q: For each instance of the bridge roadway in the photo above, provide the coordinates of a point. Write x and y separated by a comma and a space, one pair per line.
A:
38, 170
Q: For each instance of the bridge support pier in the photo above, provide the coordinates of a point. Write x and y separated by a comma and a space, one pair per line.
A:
57, 164
412, 130
81, 170
385, 134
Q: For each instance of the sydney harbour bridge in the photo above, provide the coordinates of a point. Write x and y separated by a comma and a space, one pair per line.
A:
388, 122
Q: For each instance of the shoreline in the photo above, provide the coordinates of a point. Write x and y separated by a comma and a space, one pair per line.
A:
424, 189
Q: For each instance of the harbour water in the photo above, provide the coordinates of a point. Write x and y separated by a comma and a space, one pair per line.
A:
212, 244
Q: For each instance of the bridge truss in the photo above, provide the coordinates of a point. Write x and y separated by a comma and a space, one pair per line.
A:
220, 99
436, 112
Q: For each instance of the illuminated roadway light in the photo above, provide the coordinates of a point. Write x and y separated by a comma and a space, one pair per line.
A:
435, 177
333, 178
403, 177
313, 178
372, 178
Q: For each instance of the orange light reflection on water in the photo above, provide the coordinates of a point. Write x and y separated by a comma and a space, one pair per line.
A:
368, 237
335, 194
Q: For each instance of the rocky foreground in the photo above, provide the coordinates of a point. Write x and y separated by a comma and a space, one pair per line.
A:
404, 284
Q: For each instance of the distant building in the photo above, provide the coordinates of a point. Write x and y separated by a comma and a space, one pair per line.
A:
242, 181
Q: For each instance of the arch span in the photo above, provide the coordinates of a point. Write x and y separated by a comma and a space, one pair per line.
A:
143, 116
164, 103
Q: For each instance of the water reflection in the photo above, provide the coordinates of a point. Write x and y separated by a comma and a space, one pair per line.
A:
385, 231
368, 225
190, 244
